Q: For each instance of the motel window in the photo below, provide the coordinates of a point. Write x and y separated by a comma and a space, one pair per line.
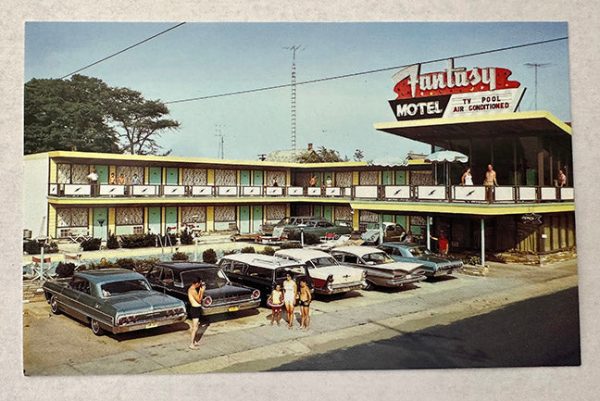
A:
72, 217
129, 216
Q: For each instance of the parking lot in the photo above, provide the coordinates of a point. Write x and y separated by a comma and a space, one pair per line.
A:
245, 341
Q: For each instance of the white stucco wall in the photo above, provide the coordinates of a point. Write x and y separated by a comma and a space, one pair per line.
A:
35, 190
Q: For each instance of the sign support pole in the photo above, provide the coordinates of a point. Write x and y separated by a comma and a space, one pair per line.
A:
428, 219
482, 242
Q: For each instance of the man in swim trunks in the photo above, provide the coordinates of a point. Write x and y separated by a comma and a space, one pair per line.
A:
490, 182
195, 293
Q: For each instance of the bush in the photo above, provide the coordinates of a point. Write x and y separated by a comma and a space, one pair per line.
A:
268, 250
309, 238
92, 244
34, 248
138, 241
248, 249
126, 263
144, 265
186, 238
112, 242
290, 245
65, 269
230, 252
180, 256
209, 256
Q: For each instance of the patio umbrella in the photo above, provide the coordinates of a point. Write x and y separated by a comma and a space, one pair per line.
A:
389, 161
446, 156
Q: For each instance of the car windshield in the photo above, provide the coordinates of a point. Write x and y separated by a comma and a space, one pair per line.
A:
213, 277
122, 287
378, 258
420, 251
324, 261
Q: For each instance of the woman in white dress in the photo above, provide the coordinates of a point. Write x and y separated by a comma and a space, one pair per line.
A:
467, 178
289, 298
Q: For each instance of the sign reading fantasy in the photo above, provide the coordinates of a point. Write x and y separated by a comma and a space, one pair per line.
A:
454, 92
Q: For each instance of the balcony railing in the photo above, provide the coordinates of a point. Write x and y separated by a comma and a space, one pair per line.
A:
389, 193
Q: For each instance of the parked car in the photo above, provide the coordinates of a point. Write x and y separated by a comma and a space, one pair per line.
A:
434, 265
220, 295
381, 269
328, 276
317, 226
391, 232
262, 271
114, 300
267, 228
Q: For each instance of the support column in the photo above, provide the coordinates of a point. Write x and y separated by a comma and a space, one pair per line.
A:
428, 230
482, 242
381, 233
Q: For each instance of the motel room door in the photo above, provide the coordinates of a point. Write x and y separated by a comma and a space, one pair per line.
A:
328, 213
171, 218
244, 178
100, 223
257, 218
154, 220
154, 177
102, 172
257, 178
244, 219
172, 176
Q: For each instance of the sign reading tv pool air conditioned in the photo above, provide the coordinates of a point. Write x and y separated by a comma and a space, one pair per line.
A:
454, 92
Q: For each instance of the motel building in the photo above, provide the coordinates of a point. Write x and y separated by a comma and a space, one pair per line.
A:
529, 212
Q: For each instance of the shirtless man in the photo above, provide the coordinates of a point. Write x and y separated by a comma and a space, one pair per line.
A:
490, 182
195, 293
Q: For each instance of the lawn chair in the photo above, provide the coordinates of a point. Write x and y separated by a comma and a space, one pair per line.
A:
273, 239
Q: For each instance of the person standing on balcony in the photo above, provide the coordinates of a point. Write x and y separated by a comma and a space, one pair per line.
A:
490, 182
93, 180
467, 177
121, 180
562, 178
328, 182
313, 181
112, 180
136, 180
274, 182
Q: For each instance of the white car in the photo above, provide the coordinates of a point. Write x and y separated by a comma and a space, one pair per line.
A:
328, 276
381, 269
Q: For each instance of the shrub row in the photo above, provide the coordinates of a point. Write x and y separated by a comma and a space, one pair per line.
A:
34, 248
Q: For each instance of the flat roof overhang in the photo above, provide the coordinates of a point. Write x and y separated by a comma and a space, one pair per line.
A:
374, 206
437, 131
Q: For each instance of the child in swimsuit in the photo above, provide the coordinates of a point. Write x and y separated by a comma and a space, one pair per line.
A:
276, 302
289, 298
305, 299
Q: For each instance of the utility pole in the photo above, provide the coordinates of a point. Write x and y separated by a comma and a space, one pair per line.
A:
221, 136
293, 49
535, 67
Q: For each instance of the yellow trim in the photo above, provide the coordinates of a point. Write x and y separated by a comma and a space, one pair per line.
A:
112, 169
355, 178
52, 221
112, 220
210, 176
164, 175
471, 209
524, 115
146, 173
179, 159
180, 176
418, 162
238, 174
52, 173
288, 210
288, 177
163, 222
210, 218
356, 220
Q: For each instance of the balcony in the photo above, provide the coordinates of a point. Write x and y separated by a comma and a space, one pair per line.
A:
385, 193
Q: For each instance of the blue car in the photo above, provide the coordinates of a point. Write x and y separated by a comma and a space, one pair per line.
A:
433, 264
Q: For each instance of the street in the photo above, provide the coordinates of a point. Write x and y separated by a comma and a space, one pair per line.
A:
515, 316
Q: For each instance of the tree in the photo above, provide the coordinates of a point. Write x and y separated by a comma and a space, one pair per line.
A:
139, 122
322, 155
85, 114
67, 115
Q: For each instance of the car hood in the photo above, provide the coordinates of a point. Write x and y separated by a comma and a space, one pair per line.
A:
143, 301
228, 291
438, 260
341, 274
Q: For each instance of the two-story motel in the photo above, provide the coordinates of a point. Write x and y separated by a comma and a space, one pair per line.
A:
529, 212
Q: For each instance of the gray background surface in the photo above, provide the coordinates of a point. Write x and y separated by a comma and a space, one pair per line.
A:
465, 384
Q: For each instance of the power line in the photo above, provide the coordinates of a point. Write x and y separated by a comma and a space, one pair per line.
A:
312, 81
122, 51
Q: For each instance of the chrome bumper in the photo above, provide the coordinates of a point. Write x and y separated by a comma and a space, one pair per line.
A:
340, 289
147, 325
217, 309
399, 282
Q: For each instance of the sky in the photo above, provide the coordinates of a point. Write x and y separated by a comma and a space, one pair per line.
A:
200, 59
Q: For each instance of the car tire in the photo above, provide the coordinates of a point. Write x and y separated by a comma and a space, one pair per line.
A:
54, 305
95, 326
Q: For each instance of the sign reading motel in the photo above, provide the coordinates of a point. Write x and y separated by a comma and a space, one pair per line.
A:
454, 92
